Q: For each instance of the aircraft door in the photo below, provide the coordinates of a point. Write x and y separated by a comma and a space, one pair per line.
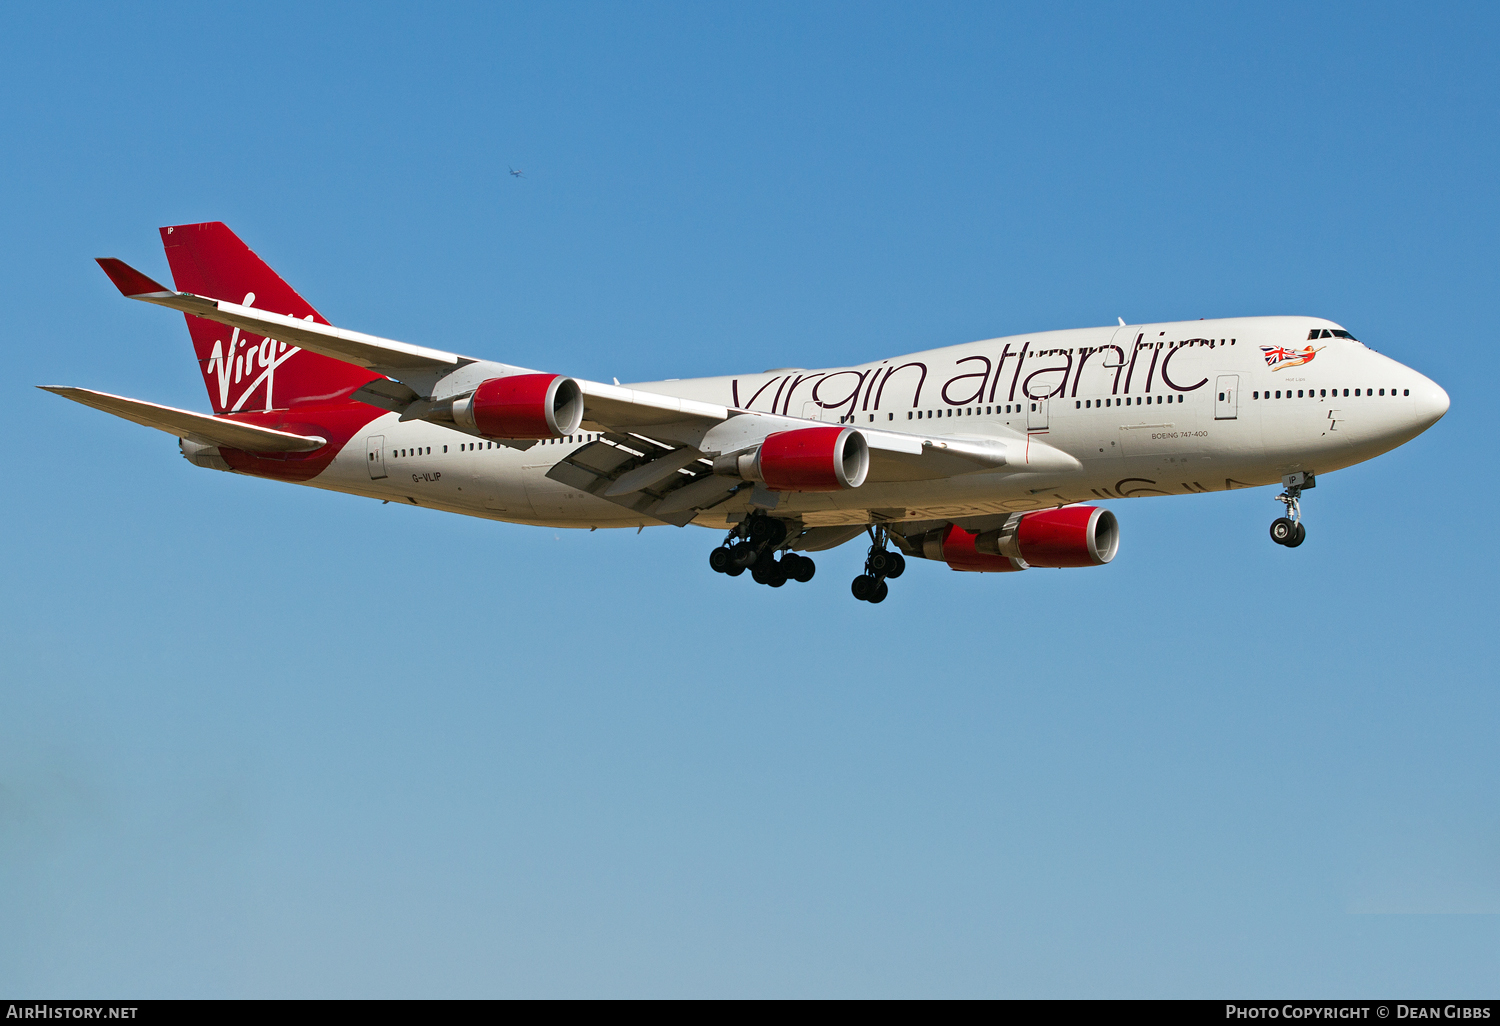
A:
375, 456
1227, 397
812, 411
1036, 415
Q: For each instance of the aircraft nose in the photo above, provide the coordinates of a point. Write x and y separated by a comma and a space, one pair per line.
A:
1429, 402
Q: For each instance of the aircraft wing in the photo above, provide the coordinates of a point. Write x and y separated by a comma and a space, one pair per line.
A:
197, 427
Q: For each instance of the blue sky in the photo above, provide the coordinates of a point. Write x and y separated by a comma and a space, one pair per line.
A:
258, 740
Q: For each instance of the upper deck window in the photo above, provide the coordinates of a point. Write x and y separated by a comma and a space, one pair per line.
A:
1330, 333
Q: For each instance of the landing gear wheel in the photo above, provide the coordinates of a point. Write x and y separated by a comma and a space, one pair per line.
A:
863, 587
718, 560
879, 563
742, 554
1288, 530
801, 569
735, 571
881, 591
897, 566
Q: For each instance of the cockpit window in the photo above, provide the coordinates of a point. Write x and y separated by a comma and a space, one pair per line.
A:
1326, 333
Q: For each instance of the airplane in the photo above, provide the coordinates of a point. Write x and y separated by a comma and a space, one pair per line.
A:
987, 456
516, 172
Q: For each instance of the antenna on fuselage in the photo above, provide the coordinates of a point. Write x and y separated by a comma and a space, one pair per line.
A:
1120, 319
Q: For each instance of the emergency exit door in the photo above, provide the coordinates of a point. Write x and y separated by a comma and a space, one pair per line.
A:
1227, 397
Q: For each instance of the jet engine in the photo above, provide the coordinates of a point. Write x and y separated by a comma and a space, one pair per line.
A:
1070, 536
819, 459
955, 546
1067, 537
522, 406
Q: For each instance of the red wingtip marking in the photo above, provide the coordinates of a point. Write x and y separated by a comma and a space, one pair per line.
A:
127, 279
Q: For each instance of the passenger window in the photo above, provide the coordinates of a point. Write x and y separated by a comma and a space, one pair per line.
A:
1406, 391
1382, 391
1221, 399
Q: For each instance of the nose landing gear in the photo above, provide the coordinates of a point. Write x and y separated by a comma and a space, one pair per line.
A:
881, 564
1288, 530
752, 545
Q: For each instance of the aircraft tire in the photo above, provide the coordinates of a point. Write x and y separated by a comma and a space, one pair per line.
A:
1283, 530
863, 587
897, 566
881, 591
1298, 537
718, 560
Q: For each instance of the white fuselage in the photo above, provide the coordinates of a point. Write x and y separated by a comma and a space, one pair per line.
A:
1157, 409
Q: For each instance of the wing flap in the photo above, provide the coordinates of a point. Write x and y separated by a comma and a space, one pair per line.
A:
646, 476
199, 427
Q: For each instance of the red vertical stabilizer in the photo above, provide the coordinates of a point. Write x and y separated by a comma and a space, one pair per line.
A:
246, 372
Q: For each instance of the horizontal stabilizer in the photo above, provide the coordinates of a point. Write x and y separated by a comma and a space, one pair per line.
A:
349, 346
198, 427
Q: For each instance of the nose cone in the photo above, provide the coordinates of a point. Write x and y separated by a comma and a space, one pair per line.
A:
1428, 402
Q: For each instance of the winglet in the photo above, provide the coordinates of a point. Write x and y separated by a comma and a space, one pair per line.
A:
128, 280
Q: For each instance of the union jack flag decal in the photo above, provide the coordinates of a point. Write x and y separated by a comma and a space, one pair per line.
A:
1278, 357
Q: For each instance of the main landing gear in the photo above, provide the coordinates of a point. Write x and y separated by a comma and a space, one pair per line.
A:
881, 564
1288, 530
752, 545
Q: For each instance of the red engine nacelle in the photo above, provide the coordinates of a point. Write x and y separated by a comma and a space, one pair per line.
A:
1071, 536
522, 406
820, 459
955, 546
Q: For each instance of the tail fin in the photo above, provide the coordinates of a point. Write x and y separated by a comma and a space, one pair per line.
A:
245, 371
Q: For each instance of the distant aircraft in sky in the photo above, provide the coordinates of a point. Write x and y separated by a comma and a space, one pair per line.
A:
516, 172
787, 461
